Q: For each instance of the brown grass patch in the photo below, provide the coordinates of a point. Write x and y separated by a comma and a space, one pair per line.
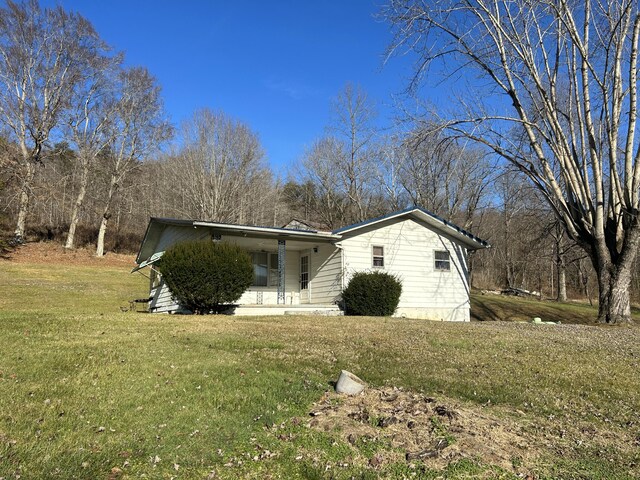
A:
51, 253
421, 428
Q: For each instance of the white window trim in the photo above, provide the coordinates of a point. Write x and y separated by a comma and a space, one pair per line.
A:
373, 257
435, 261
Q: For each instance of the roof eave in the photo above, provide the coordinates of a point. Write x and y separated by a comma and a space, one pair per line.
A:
467, 239
269, 230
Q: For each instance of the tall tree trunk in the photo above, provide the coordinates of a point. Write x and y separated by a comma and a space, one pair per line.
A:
562, 283
106, 214
25, 197
614, 277
613, 299
77, 206
562, 277
101, 234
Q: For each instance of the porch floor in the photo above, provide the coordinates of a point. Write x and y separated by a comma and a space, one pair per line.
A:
304, 309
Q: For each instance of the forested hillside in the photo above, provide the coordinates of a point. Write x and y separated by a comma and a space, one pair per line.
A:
87, 155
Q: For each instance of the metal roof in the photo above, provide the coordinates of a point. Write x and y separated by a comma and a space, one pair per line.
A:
279, 231
444, 226
147, 254
156, 225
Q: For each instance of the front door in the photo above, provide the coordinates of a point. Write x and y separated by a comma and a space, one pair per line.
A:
304, 279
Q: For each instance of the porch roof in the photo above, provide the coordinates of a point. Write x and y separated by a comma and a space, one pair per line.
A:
148, 254
279, 232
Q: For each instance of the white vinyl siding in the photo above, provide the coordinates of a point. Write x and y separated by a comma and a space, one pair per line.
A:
409, 253
174, 234
326, 274
162, 300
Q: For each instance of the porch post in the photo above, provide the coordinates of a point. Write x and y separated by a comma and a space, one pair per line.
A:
281, 255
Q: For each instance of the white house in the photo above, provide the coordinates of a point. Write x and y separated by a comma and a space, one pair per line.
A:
298, 269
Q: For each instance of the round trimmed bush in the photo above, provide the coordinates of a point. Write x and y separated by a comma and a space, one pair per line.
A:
372, 294
206, 276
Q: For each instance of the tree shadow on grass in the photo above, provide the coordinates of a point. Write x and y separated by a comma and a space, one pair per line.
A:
514, 310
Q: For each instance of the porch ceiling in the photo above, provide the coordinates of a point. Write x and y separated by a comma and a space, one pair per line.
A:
271, 244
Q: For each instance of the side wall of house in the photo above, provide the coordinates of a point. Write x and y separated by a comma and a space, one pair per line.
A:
161, 300
409, 252
326, 274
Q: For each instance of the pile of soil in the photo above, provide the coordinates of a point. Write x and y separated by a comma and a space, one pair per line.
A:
421, 428
51, 253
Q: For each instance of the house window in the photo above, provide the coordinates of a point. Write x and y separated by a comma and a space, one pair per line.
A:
442, 261
378, 257
273, 269
304, 272
265, 269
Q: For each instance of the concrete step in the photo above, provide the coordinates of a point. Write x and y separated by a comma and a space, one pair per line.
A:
288, 310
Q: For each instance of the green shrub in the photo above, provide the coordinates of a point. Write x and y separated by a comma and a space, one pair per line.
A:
372, 293
203, 276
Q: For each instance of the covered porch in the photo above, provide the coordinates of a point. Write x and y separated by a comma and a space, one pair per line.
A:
292, 267
289, 273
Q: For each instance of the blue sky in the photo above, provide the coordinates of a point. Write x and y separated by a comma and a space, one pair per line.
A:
275, 65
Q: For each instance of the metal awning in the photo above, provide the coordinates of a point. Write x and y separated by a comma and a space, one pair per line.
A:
149, 261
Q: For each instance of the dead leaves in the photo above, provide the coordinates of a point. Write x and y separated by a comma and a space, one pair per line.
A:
419, 428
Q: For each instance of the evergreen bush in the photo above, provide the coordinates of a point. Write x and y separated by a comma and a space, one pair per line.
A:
372, 293
205, 276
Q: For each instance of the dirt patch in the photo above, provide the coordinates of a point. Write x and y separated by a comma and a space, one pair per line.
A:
51, 253
420, 428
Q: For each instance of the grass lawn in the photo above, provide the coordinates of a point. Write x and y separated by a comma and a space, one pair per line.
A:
515, 309
89, 391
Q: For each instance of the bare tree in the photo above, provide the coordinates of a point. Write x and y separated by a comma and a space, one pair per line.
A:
563, 76
512, 194
301, 200
341, 165
560, 246
93, 107
43, 57
220, 169
444, 175
138, 129
392, 159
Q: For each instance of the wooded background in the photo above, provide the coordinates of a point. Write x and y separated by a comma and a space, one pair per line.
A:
87, 157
